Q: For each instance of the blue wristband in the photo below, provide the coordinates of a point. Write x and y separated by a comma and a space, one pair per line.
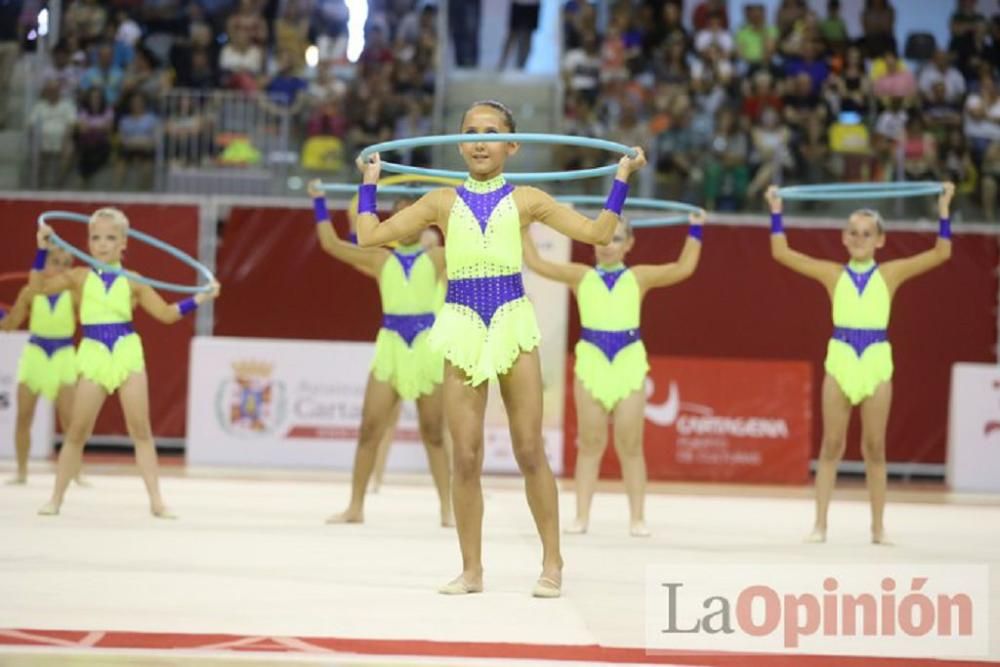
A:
616, 198
3, 313
319, 208
366, 198
694, 231
353, 238
776, 224
186, 306
944, 228
40, 256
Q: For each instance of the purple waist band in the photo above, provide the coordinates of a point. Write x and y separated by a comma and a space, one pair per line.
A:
485, 295
50, 345
860, 339
408, 326
610, 342
108, 333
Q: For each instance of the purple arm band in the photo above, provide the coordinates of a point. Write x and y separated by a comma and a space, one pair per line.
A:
694, 231
319, 208
366, 198
944, 228
777, 227
353, 238
616, 198
40, 256
186, 306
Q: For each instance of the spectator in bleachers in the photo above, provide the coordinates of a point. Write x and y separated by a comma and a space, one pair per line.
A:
756, 41
186, 131
327, 118
415, 122
199, 40
770, 152
801, 102
94, 126
291, 31
811, 64
104, 74
372, 127
521, 26
11, 34
137, 132
878, 22
991, 178
667, 30
703, 12
145, 77
726, 167
852, 86
286, 89
673, 68
981, 123
715, 34
892, 79
241, 62
248, 20
889, 127
813, 152
86, 20
581, 69
63, 71
789, 19
974, 49
761, 95
941, 114
678, 150
579, 18
52, 120
833, 29
940, 70
919, 151
963, 25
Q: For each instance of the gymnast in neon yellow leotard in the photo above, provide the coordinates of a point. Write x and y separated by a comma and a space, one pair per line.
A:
110, 357
404, 367
487, 328
611, 364
48, 363
859, 357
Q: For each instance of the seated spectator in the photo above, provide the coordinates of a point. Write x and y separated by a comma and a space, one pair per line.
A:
702, 15
790, 12
760, 97
832, 29
416, 122
328, 119
852, 87
991, 179
104, 74
581, 69
797, 26
940, 70
144, 77
52, 120
578, 20
249, 21
667, 30
94, 126
769, 152
941, 114
727, 173
372, 127
919, 151
241, 62
888, 135
801, 102
291, 32
285, 91
673, 68
878, 22
678, 151
201, 73
629, 131
756, 42
712, 65
186, 131
714, 35
981, 123
182, 54
137, 131
813, 152
810, 64
891, 78
974, 50
63, 71
957, 164
964, 24
324, 86
86, 20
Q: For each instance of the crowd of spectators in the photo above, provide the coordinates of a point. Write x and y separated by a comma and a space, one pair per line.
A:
729, 104
125, 73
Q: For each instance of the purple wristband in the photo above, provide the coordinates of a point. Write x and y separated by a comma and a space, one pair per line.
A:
186, 306
3, 313
319, 208
366, 198
694, 231
353, 238
776, 225
616, 198
40, 256
944, 228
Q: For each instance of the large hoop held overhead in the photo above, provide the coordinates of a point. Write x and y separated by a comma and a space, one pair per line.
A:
515, 137
847, 191
187, 259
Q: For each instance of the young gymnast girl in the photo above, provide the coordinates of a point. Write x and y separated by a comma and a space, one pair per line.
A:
858, 358
487, 328
611, 364
47, 366
429, 239
404, 366
110, 356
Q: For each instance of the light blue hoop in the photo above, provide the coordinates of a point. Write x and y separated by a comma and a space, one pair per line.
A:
581, 200
139, 236
843, 191
513, 177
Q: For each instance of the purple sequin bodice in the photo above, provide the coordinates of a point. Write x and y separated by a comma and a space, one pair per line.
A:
50, 345
108, 334
610, 342
860, 339
408, 326
485, 295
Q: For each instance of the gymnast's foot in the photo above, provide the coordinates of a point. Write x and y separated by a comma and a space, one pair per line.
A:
464, 584
638, 528
817, 536
577, 527
351, 515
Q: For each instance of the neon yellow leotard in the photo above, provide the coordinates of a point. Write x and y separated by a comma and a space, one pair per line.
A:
48, 361
859, 356
610, 356
408, 286
110, 350
486, 321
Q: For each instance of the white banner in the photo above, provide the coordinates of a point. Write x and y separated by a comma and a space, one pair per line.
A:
294, 403
974, 428
43, 427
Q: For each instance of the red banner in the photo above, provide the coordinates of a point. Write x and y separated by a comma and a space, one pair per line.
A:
721, 420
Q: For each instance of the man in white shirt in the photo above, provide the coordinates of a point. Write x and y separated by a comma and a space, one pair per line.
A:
940, 69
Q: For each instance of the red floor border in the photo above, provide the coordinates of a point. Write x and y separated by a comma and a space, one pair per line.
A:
423, 648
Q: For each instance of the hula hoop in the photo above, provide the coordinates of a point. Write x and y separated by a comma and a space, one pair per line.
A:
680, 208
841, 191
11, 276
513, 177
139, 236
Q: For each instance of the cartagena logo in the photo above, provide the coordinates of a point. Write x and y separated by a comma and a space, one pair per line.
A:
251, 403
992, 425
695, 419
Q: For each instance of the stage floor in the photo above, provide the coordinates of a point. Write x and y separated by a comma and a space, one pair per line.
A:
250, 574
